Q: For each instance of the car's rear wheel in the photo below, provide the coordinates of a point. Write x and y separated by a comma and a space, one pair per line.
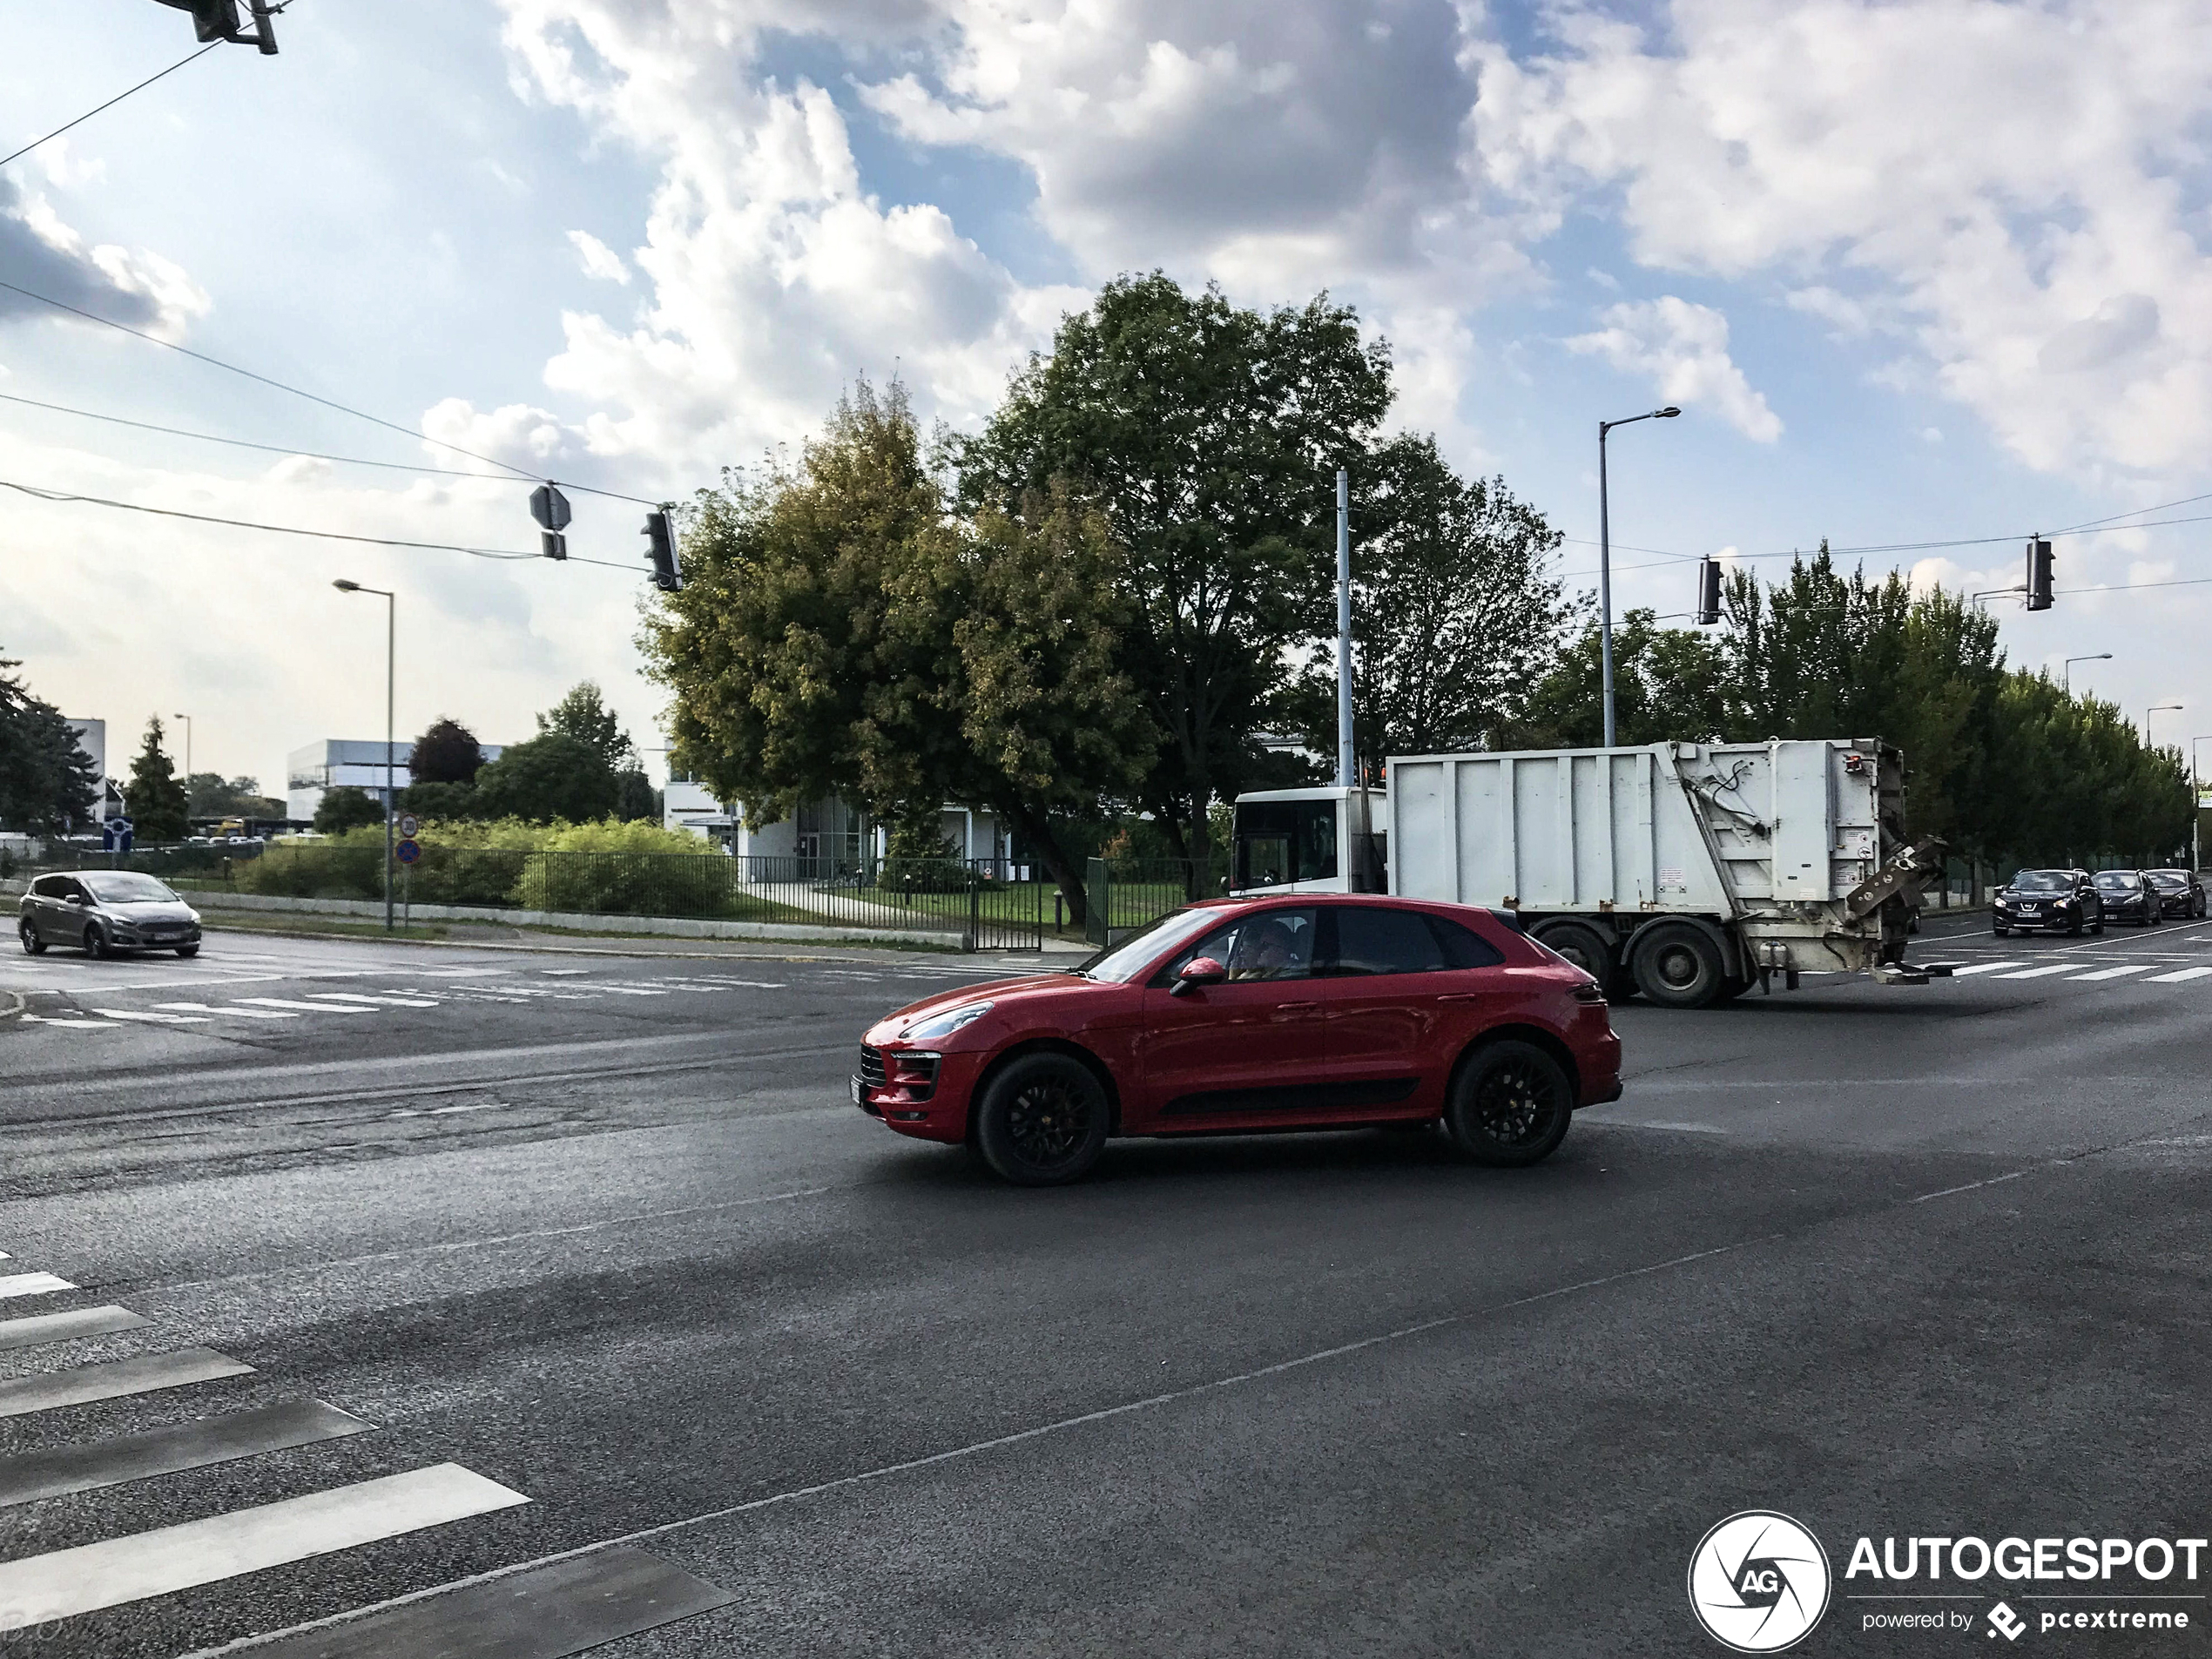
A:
1678, 968
1510, 1104
1042, 1120
96, 941
27, 930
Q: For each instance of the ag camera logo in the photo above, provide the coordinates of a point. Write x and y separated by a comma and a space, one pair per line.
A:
1758, 1581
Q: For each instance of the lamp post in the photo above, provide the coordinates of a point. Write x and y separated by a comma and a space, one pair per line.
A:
391, 611
2155, 708
186, 718
2101, 656
1605, 559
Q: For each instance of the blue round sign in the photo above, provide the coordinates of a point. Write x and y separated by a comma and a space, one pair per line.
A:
408, 852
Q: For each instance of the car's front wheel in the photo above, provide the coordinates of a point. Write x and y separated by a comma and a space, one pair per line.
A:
96, 941
2000, 930
1510, 1104
187, 950
1042, 1121
27, 930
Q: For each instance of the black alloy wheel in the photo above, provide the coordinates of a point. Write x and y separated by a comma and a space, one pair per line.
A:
2000, 930
96, 941
32, 944
1678, 967
1042, 1120
1509, 1106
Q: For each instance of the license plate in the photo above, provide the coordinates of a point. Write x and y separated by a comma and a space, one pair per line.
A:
855, 1083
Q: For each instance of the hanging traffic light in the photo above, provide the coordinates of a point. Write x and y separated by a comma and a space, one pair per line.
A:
661, 548
1709, 591
2039, 574
219, 20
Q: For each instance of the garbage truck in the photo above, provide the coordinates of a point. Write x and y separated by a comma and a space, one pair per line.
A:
1686, 872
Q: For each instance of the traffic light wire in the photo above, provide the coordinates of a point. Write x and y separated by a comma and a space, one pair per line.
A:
193, 58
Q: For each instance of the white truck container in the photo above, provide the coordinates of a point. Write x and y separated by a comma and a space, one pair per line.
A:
1687, 871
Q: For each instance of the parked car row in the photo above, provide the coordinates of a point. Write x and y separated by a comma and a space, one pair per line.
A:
2070, 901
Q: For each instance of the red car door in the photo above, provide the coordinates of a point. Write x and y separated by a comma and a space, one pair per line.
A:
1403, 992
1239, 1051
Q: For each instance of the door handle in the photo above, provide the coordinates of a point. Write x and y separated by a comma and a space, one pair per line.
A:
1296, 1008
1461, 996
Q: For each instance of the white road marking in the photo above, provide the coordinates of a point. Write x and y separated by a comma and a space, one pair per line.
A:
304, 1008
81, 1025
230, 1009
631, 990
1982, 967
373, 1002
64, 1582
150, 1019
2040, 973
61, 1327
2176, 978
117, 1379
447, 1111
31, 1284
560, 973
2114, 973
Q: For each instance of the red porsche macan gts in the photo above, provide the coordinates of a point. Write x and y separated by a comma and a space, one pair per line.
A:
1240, 1015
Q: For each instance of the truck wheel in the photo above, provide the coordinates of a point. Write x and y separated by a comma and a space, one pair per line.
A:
1042, 1121
1582, 945
1678, 968
1510, 1104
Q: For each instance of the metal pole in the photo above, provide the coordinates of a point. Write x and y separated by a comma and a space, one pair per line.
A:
391, 628
1604, 584
1347, 759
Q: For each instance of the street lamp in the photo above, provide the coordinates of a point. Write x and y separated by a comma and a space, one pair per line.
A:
2196, 806
186, 718
391, 611
2101, 657
2155, 708
1605, 559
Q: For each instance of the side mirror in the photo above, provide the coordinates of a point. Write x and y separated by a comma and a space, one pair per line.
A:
1199, 970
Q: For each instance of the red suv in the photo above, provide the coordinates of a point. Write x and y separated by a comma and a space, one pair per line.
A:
1245, 1014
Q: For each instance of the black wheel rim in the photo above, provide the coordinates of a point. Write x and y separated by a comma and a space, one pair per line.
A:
1515, 1101
1678, 967
1049, 1120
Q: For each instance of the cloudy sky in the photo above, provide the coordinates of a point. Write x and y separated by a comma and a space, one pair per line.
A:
1929, 271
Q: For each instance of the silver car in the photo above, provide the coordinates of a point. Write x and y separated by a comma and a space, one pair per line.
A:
102, 911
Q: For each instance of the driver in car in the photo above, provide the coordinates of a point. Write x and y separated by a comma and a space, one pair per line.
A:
1267, 950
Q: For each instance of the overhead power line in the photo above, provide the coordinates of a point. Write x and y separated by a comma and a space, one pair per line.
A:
193, 58
311, 397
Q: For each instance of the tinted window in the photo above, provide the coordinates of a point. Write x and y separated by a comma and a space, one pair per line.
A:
2118, 880
2168, 880
1372, 940
1266, 945
1463, 947
48, 887
1286, 841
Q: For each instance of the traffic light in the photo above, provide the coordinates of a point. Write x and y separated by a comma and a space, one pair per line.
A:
662, 550
2039, 574
219, 20
1709, 591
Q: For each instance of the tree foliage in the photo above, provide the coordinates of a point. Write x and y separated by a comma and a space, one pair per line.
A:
1208, 436
552, 777
446, 752
583, 715
341, 810
47, 783
210, 794
154, 797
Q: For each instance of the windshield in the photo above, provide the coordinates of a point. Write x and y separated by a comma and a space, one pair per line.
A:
2043, 881
2115, 879
1124, 962
2167, 878
126, 886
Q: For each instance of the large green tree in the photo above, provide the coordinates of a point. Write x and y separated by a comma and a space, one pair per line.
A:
154, 797
842, 630
552, 777
47, 783
583, 715
1208, 435
344, 809
448, 752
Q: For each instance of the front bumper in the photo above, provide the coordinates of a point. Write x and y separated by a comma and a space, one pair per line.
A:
925, 1097
2045, 916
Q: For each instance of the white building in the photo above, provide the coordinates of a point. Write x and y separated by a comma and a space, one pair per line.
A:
91, 739
344, 763
827, 833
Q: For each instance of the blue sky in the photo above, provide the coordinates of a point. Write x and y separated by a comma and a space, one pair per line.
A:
1924, 270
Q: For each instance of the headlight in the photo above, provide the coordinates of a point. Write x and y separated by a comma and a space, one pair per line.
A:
943, 1025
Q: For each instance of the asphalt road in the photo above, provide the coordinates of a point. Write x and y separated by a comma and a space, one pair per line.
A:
581, 1249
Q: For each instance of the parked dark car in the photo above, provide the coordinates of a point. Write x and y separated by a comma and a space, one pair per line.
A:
2180, 893
102, 911
2129, 897
2061, 900
1240, 1015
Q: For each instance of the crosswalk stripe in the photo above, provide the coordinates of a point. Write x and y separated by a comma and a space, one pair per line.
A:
2114, 973
151, 1019
197, 1445
1981, 967
230, 1009
80, 1025
2177, 978
60, 1327
2043, 972
115, 1380
546, 1612
31, 1284
64, 1582
373, 1002
304, 1008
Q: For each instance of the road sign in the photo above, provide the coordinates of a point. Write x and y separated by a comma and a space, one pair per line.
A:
409, 824
408, 852
549, 507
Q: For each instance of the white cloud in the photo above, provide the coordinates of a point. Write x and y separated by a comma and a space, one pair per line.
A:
600, 263
2014, 178
131, 285
1683, 349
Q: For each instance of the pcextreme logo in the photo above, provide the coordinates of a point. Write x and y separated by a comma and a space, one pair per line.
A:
1758, 1581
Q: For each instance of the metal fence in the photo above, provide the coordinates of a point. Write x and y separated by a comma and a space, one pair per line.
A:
1121, 895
